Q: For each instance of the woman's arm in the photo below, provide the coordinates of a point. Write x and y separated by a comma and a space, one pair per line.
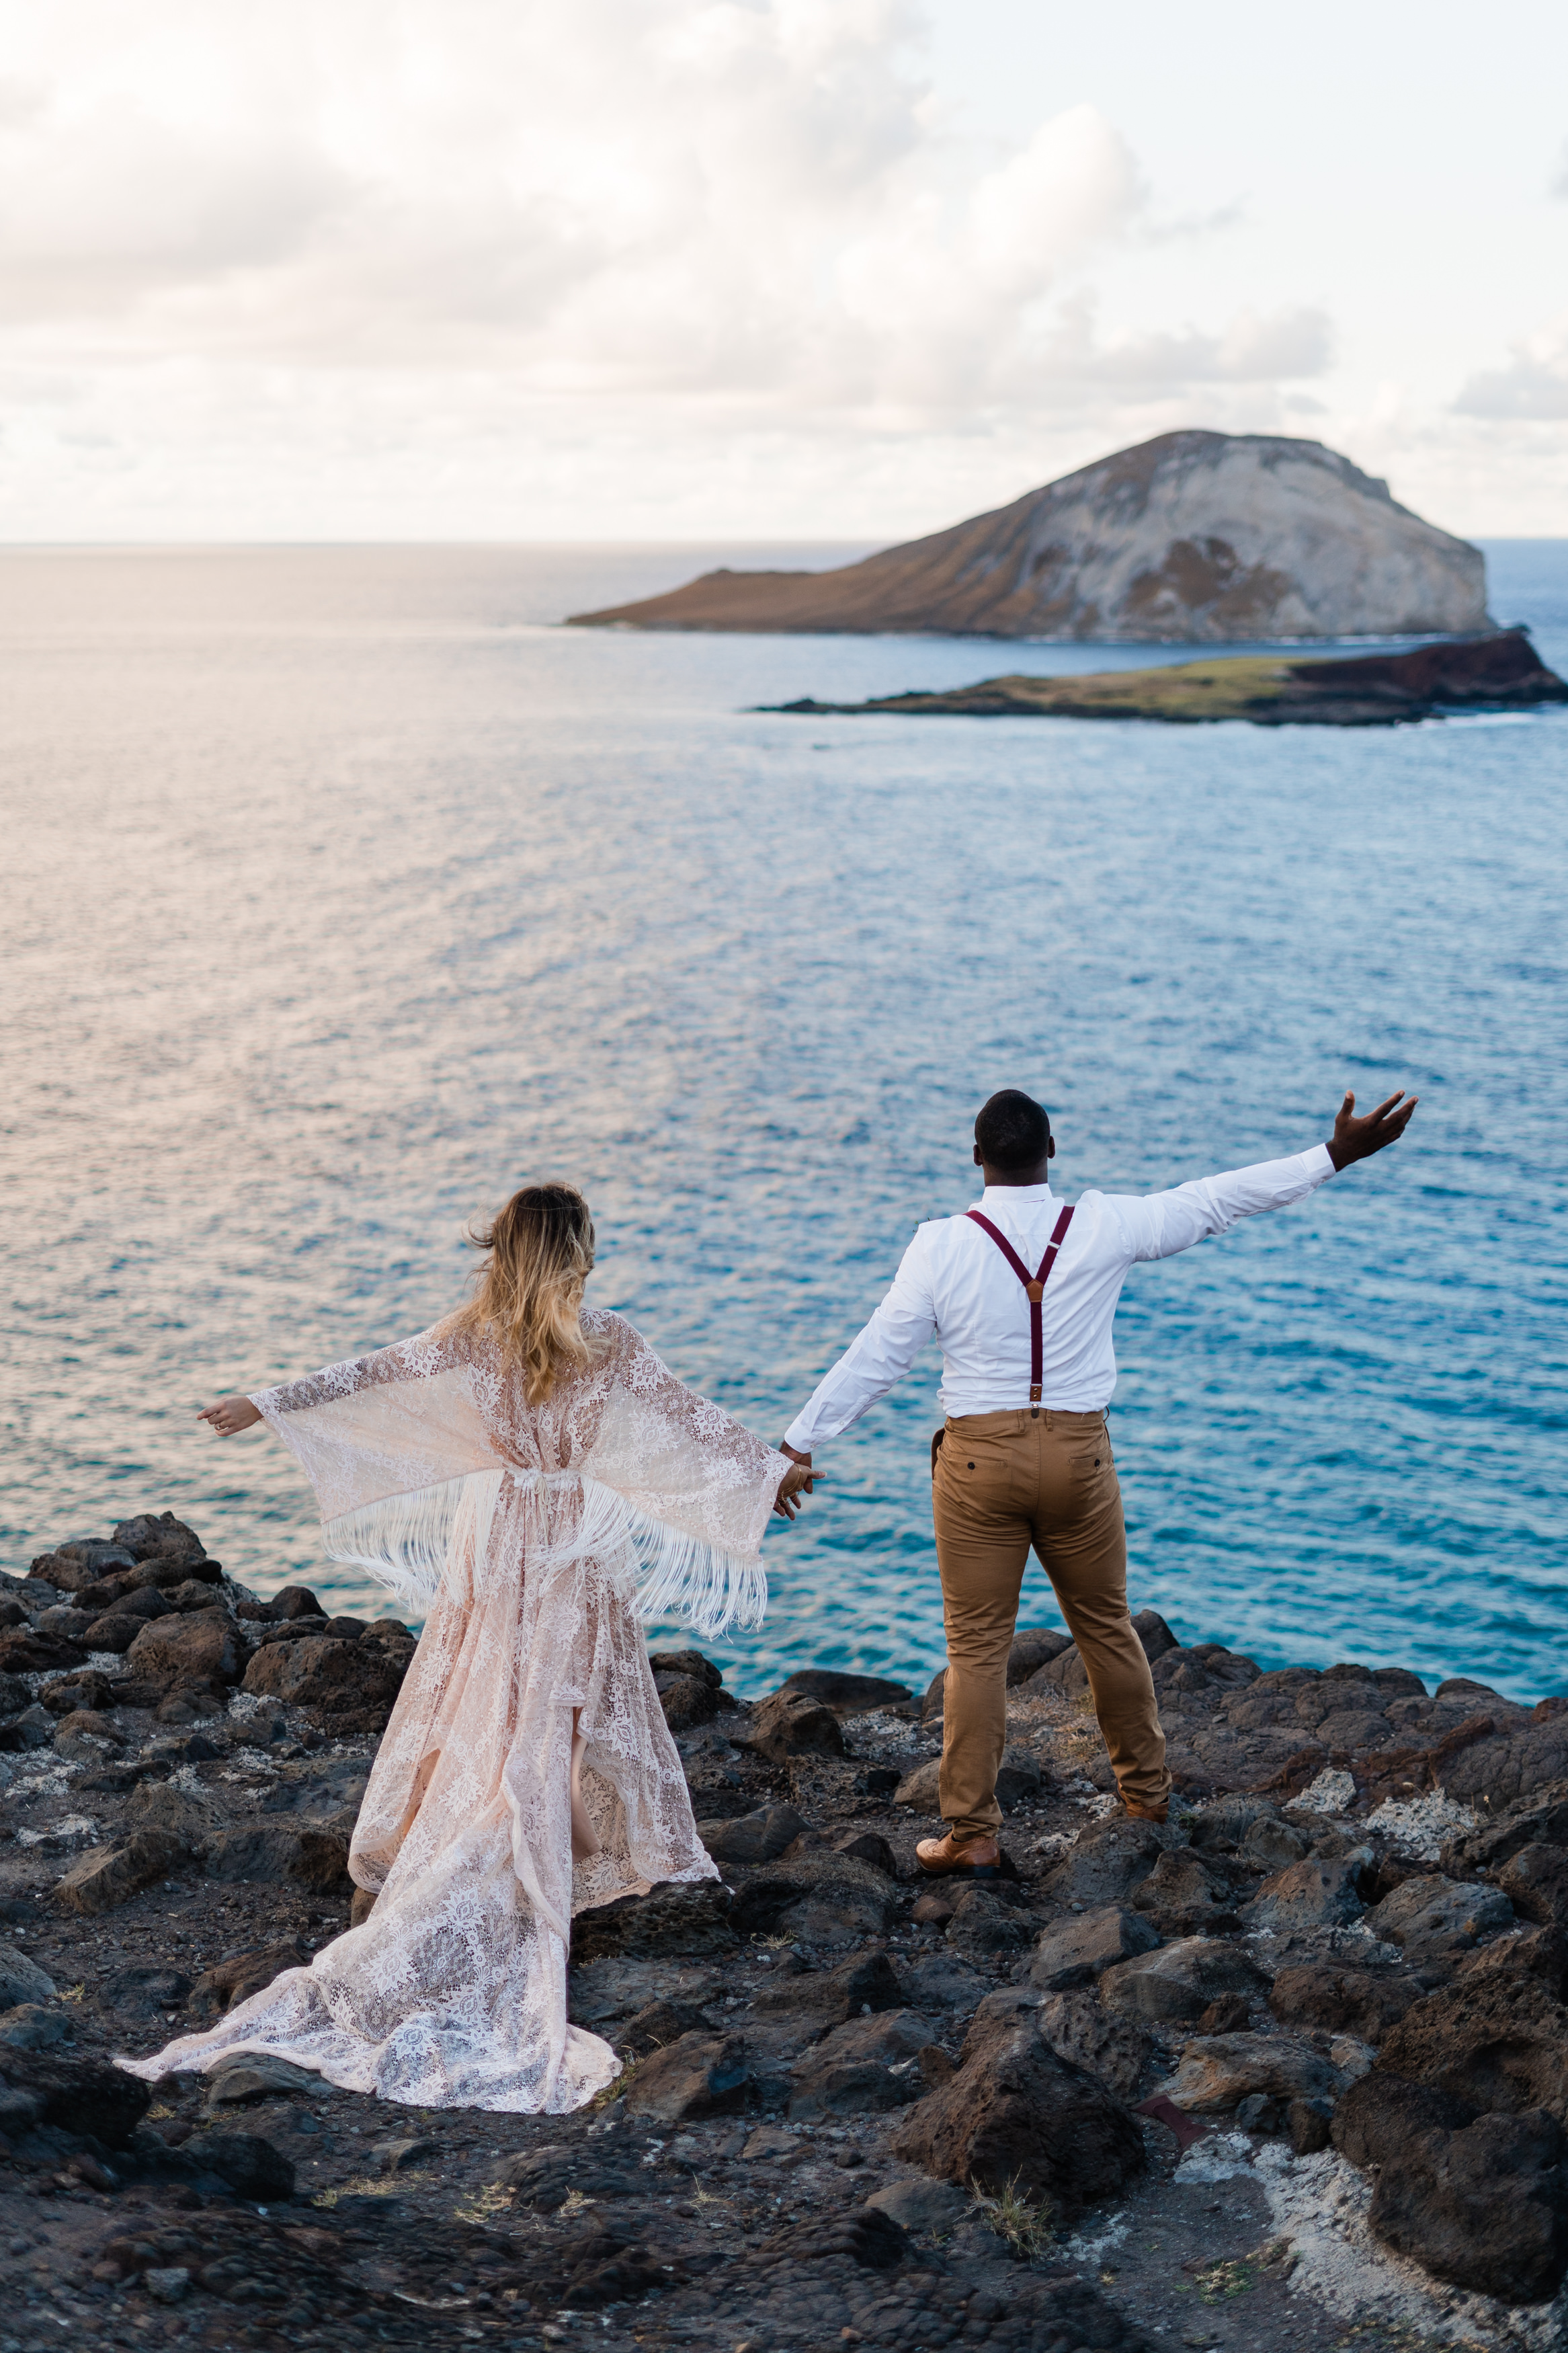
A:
231, 1415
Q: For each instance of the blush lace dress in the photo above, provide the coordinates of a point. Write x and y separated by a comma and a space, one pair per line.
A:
535, 1538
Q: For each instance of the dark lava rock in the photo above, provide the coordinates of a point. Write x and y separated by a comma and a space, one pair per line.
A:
828, 1997
34, 1653
1542, 1816
545, 2179
1499, 2041
345, 1687
1076, 1951
823, 1898
249, 2164
1479, 2201
701, 2075
1016, 2114
160, 1538
1364, 2002
754, 1838
78, 2095
1183, 1898
686, 1701
1535, 1882
1180, 1980
1539, 1953
243, 1974
867, 2237
1309, 1895
656, 2024
847, 1694
107, 1875
295, 1601
986, 1920
276, 1853
1079, 2030
144, 1994
1432, 1919
200, 1646
1108, 1861
787, 1723
1034, 1647
864, 2067
687, 1920
864, 1846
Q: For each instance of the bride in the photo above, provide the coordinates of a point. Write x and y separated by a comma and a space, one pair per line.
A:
529, 1476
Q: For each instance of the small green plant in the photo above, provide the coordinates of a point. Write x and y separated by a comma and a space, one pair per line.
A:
1012, 2215
493, 2200
1220, 2282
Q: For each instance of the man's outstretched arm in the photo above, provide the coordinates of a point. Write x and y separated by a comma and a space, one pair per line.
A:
1158, 1224
879, 1356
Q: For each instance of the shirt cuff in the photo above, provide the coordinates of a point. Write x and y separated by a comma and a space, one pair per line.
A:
797, 1435
1320, 1162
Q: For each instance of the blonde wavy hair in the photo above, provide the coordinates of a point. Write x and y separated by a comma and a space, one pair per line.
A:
528, 1295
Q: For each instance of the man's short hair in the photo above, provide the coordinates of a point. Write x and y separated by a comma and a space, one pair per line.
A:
1013, 1131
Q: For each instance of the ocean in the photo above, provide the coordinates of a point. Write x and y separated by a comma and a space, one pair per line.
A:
345, 891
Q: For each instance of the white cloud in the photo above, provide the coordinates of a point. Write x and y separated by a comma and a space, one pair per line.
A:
1534, 387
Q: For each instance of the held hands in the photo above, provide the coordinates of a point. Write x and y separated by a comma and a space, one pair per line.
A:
231, 1415
1358, 1139
798, 1481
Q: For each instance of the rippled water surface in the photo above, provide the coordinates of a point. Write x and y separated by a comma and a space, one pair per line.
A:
345, 891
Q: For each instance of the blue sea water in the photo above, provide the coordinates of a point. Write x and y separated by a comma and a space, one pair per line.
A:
345, 890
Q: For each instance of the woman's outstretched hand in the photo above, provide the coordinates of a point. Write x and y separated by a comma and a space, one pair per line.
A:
231, 1415
796, 1481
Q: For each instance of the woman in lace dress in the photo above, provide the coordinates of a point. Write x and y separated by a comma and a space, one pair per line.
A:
531, 1477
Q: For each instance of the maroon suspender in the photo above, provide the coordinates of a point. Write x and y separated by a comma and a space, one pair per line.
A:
1034, 1284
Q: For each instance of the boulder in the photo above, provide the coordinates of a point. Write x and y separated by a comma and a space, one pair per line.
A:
686, 1701
689, 1663
242, 2076
917, 2203
1480, 2201
107, 1875
1535, 1882
144, 1994
157, 1806
1431, 1917
701, 2075
26, 1651
1016, 2116
1107, 1862
30, 2027
656, 2024
688, 1920
847, 1694
1217, 2071
22, 1979
276, 1853
987, 1919
863, 2067
943, 1982
1309, 1895
1497, 2042
920, 1787
864, 1846
1179, 1980
612, 1989
1182, 1897
790, 1723
236, 1980
1079, 2030
1367, 2002
1075, 1952
752, 1838
78, 2095
1225, 1823
200, 1646
823, 1898
823, 1999
250, 2165
163, 1537
1542, 1816
1034, 1647
344, 1687
1541, 1953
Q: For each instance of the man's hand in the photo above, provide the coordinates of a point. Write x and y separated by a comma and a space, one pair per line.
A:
796, 1481
1358, 1139
231, 1415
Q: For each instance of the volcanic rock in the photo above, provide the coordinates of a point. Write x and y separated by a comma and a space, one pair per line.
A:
791, 1723
862, 2067
1497, 2042
236, 1978
1079, 2030
1433, 1918
1219, 2070
1308, 1894
250, 2165
1180, 1980
107, 1875
823, 1898
752, 1838
701, 2075
677, 1918
1366, 2003
1108, 1861
1076, 1951
1194, 536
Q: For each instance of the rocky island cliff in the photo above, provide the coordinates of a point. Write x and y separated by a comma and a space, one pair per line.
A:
1207, 538
1293, 2065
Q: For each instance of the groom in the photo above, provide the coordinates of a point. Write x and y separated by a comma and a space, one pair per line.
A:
1021, 1292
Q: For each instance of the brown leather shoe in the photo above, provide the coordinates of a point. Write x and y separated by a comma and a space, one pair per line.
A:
944, 1858
1146, 1813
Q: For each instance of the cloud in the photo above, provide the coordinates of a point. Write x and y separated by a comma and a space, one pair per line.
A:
756, 206
1559, 183
1532, 388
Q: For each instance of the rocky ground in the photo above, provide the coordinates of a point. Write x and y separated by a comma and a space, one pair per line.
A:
1292, 2072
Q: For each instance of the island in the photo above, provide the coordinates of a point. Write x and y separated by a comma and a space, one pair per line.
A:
1195, 537
1499, 671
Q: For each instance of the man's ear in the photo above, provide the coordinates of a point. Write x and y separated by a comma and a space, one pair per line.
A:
979, 1158
1050, 1147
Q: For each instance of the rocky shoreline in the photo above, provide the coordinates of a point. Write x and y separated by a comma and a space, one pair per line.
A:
1292, 2070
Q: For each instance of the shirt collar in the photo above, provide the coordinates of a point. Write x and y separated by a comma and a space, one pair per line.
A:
997, 1196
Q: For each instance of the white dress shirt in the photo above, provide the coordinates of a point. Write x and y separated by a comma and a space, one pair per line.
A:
955, 1284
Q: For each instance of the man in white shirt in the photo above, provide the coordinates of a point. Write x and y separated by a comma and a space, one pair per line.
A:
1021, 1292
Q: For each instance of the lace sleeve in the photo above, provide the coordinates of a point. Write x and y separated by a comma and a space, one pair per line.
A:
685, 1466
402, 1421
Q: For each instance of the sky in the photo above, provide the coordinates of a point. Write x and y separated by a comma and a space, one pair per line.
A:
699, 270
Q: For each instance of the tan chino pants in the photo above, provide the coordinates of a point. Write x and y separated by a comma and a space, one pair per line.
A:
1003, 1481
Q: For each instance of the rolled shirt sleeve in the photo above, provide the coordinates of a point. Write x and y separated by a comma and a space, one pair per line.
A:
881, 1355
